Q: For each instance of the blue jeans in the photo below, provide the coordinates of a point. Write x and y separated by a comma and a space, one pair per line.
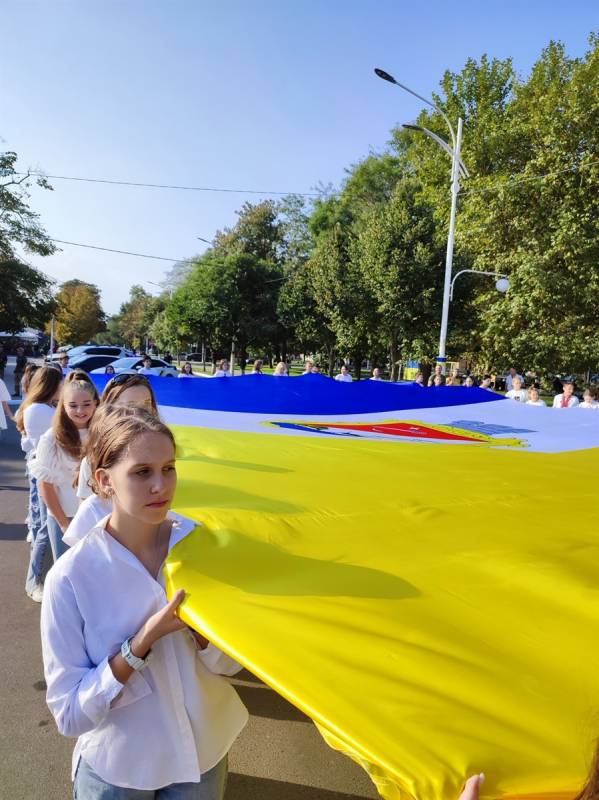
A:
39, 531
89, 786
55, 535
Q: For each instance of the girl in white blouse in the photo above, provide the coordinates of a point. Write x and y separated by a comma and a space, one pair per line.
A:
33, 419
56, 463
125, 675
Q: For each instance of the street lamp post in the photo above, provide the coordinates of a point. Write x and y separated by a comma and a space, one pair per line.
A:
457, 169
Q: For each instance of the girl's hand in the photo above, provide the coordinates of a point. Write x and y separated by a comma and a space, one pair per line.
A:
158, 625
471, 787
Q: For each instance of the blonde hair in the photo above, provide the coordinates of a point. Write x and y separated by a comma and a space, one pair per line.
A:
44, 385
65, 431
114, 431
117, 385
281, 368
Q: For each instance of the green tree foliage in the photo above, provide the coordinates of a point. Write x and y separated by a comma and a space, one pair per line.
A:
79, 314
19, 225
258, 232
136, 316
400, 264
26, 297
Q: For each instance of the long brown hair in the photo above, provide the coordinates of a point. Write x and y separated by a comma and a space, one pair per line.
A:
30, 371
114, 431
120, 383
42, 389
65, 431
591, 788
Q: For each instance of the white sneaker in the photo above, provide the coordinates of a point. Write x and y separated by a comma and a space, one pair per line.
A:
37, 593
29, 537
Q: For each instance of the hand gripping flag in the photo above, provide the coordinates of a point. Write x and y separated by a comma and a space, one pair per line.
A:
415, 569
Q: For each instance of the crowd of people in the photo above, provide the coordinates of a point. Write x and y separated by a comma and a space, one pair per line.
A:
118, 660
102, 478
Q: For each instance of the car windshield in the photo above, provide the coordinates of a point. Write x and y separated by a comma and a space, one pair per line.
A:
126, 363
75, 351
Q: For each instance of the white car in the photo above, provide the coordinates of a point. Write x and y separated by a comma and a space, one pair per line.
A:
134, 364
90, 350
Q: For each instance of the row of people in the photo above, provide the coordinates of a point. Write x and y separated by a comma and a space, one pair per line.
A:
105, 614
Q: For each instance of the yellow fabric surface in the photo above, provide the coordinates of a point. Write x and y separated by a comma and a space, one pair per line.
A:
433, 608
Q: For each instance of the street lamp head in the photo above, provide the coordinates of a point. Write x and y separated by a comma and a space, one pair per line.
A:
502, 285
384, 75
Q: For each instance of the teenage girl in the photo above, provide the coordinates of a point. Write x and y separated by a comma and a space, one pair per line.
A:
59, 452
124, 391
33, 419
124, 674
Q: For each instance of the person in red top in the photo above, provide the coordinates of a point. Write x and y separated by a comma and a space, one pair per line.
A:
567, 399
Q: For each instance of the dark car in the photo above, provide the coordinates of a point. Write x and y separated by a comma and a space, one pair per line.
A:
91, 362
193, 357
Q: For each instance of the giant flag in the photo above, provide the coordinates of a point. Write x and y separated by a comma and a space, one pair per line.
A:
415, 569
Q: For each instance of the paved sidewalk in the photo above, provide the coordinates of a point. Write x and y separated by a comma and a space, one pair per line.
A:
279, 756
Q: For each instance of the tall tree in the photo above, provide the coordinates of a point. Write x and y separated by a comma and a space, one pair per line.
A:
26, 297
257, 232
79, 314
402, 267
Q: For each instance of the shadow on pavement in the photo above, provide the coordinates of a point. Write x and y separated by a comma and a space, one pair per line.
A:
246, 787
262, 701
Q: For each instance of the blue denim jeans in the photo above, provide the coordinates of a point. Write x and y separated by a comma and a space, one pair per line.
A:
89, 786
55, 536
38, 514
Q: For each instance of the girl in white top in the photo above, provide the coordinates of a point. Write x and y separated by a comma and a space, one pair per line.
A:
534, 398
124, 674
33, 419
223, 370
58, 454
281, 370
517, 392
588, 400
186, 371
146, 368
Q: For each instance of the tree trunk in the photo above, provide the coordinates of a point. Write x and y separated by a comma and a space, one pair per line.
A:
357, 366
393, 352
331, 361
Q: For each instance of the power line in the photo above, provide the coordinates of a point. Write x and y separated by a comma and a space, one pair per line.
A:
122, 252
516, 181
165, 185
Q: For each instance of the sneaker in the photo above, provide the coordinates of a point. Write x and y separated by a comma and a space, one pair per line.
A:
37, 593
29, 537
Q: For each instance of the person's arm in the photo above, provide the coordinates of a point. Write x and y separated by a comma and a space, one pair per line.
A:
7, 410
79, 692
472, 787
50, 498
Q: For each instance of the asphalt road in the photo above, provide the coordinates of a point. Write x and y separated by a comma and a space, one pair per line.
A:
279, 756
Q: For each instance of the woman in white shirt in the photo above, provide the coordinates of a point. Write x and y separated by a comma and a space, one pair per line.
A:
124, 674
56, 463
33, 419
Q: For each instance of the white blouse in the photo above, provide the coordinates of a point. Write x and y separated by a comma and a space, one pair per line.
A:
52, 464
37, 418
83, 488
171, 721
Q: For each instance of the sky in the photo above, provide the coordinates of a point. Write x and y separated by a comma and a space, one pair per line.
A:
267, 95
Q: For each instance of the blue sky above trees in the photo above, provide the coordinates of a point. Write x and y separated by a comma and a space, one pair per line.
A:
262, 95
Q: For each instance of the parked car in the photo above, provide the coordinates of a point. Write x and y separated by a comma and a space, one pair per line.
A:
134, 363
193, 356
92, 350
91, 363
